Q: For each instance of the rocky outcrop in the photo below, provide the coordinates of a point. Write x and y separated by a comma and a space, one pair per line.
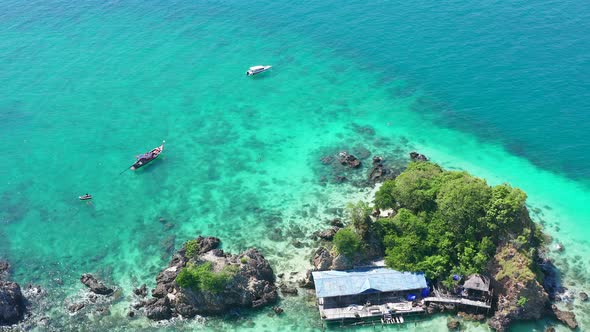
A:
415, 156
12, 303
341, 262
250, 284
97, 287
520, 296
379, 172
349, 160
322, 260
566, 317
327, 234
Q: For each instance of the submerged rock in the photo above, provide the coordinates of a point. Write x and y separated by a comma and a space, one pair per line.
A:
583, 297
74, 308
95, 286
307, 282
141, 291
12, 303
288, 290
453, 324
336, 222
248, 282
566, 317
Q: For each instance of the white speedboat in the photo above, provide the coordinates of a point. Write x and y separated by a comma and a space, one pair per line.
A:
257, 70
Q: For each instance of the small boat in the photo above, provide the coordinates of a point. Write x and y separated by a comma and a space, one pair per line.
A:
85, 197
257, 70
145, 158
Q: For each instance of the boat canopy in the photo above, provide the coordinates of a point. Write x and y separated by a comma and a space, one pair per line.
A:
145, 155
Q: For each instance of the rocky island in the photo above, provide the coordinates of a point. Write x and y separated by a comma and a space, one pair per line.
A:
204, 280
449, 225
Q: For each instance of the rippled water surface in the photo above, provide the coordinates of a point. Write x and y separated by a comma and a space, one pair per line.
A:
499, 89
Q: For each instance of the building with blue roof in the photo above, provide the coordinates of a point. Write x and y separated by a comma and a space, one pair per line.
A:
368, 292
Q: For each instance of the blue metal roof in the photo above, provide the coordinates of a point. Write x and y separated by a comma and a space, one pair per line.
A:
341, 283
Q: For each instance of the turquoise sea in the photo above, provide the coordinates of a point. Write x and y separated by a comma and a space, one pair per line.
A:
498, 88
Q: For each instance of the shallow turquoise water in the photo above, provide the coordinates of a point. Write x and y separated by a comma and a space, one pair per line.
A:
85, 87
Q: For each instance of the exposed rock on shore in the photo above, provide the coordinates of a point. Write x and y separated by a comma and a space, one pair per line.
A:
327, 234
12, 303
415, 156
322, 260
379, 172
248, 282
520, 295
97, 287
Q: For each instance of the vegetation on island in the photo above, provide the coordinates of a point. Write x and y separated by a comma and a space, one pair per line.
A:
191, 248
202, 277
347, 242
444, 222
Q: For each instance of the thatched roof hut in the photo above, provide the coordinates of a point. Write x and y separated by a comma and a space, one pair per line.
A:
477, 282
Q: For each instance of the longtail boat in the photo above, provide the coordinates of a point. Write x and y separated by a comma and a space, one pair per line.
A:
145, 158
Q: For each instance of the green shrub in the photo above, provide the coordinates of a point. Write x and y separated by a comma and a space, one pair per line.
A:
347, 242
244, 260
191, 248
201, 277
521, 301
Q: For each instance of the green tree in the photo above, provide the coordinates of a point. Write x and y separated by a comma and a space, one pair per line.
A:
462, 202
360, 215
505, 208
384, 198
347, 242
449, 222
405, 242
416, 188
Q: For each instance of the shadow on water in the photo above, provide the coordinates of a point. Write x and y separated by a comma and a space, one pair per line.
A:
149, 168
552, 281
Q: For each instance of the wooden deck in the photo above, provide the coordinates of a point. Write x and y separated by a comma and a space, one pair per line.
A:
360, 311
458, 301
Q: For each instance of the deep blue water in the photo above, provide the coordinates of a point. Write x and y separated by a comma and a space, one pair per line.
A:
513, 72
